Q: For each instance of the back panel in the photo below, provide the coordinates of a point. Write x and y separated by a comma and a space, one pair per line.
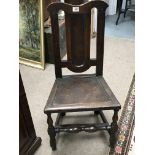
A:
78, 29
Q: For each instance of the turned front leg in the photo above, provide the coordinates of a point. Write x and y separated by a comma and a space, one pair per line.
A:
51, 132
114, 128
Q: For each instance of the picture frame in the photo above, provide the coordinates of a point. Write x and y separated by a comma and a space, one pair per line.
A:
31, 33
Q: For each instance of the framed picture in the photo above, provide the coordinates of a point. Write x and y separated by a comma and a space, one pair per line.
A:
31, 33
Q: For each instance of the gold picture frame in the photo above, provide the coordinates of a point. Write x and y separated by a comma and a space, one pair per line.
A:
31, 39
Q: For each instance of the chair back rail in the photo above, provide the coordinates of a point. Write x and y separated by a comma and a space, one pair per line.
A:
77, 25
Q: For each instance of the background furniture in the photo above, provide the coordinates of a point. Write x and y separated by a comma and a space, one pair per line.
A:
80, 92
128, 7
28, 141
49, 57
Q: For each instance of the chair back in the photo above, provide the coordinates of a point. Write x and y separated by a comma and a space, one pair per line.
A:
78, 29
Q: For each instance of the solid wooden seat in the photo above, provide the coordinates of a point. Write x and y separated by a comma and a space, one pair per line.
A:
74, 93
77, 93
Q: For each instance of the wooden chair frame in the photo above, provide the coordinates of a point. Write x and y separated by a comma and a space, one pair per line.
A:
78, 60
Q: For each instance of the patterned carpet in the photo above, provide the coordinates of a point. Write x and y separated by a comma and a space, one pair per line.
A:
126, 137
132, 145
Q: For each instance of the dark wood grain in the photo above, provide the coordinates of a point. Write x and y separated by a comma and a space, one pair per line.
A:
100, 41
28, 141
81, 93
56, 46
114, 128
51, 132
75, 128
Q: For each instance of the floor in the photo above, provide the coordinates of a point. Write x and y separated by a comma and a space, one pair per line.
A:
118, 72
125, 28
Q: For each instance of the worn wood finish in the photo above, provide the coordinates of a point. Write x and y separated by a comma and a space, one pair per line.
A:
51, 132
78, 56
100, 41
56, 46
114, 128
79, 92
75, 128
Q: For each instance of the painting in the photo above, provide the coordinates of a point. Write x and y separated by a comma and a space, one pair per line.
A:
31, 33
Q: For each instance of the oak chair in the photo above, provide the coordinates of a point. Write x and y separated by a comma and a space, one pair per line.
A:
77, 93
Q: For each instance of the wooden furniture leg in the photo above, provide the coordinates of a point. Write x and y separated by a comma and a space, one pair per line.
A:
51, 132
119, 10
125, 12
114, 128
63, 114
126, 8
118, 18
96, 112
